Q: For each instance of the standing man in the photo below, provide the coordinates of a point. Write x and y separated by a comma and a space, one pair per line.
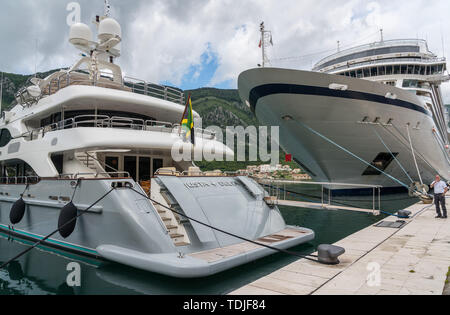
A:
440, 189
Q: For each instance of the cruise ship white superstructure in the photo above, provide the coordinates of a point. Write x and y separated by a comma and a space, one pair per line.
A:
373, 114
88, 153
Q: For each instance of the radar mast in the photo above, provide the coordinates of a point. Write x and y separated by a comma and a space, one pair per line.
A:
266, 40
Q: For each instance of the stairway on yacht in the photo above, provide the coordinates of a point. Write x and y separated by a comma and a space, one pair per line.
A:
173, 222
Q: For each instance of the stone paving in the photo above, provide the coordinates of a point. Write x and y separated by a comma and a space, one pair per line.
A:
413, 260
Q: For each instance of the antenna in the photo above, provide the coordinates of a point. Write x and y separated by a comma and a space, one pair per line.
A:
266, 39
1, 95
381, 34
338, 46
107, 12
35, 59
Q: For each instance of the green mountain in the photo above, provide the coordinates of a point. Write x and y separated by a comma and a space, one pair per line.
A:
225, 108
12, 83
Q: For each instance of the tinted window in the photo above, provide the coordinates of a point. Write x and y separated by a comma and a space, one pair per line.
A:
5, 137
58, 161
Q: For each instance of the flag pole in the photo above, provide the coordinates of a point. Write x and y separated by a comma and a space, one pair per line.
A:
1, 95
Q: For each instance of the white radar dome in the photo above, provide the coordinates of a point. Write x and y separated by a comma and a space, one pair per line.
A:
109, 28
80, 34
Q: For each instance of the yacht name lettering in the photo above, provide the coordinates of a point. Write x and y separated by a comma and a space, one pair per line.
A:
196, 185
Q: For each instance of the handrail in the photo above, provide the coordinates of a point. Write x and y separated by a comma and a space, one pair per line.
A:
137, 86
401, 62
386, 43
16, 180
103, 121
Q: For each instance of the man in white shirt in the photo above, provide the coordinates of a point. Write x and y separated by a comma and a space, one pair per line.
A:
440, 189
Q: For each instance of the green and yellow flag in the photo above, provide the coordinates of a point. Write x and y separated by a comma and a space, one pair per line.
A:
187, 123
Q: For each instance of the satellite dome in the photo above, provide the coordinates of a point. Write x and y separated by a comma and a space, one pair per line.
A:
80, 34
109, 28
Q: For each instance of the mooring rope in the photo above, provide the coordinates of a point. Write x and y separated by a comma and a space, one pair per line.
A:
392, 154
351, 153
407, 146
413, 154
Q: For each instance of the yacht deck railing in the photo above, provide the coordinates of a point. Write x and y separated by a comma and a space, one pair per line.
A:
106, 80
103, 121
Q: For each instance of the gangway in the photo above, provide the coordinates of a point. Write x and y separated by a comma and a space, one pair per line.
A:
277, 191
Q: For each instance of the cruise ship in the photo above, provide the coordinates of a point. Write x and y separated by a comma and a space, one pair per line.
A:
87, 167
369, 115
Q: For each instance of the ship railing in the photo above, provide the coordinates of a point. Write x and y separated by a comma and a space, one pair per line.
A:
103, 121
380, 62
95, 175
386, 43
278, 189
82, 77
19, 180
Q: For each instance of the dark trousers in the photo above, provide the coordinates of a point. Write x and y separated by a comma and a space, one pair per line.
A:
439, 200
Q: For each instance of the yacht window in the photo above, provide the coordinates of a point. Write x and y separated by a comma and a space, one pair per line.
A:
417, 70
439, 69
144, 168
58, 162
5, 138
410, 69
381, 70
353, 74
130, 166
359, 73
157, 164
381, 162
112, 164
374, 72
396, 69
18, 169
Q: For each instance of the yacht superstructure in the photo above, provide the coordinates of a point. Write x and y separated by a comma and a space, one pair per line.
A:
380, 102
88, 132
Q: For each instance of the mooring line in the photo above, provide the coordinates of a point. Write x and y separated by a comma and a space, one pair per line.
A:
351, 153
392, 154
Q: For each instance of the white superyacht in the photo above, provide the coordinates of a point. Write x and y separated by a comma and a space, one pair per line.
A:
369, 115
89, 137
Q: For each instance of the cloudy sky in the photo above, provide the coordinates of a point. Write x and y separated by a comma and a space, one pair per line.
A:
196, 43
